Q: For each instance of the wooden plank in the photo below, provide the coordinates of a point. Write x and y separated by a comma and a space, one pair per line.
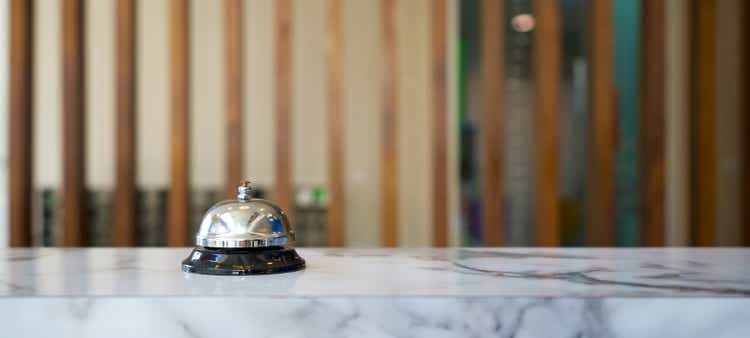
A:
703, 123
284, 192
337, 205
547, 66
439, 125
233, 77
492, 86
600, 185
124, 216
389, 146
746, 130
74, 173
20, 120
179, 198
652, 116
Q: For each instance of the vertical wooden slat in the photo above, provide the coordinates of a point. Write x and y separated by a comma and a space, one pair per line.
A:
600, 185
653, 109
547, 59
439, 127
746, 130
179, 124
703, 123
20, 119
74, 173
233, 77
124, 221
335, 216
283, 104
389, 167
492, 82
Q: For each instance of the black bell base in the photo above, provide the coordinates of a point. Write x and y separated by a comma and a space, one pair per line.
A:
242, 262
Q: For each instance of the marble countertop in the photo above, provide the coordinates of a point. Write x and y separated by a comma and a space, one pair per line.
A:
422, 293
453, 272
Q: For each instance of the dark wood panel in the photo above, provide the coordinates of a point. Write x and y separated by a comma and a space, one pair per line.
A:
335, 216
746, 130
20, 120
233, 94
389, 166
73, 110
124, 219
283, 24
652, 138
493, 88
439, 125
600, 185
179, 194
703, 123
547, 60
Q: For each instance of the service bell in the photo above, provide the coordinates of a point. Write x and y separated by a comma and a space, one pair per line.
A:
244, 236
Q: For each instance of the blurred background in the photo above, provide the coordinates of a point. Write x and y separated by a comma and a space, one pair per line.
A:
378, 122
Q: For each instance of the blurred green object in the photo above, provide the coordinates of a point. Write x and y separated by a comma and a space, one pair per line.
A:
320, 195
627, 169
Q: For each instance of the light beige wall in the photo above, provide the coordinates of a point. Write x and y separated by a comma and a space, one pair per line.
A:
362, 102
415, 121
100, 79
152, 94
362, 107
47, 94
206, 94
309, 91
259, 90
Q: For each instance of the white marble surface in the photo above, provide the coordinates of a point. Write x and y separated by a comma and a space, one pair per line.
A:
504, 272
513, 292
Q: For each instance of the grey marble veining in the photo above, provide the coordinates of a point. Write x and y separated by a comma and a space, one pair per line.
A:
477, 292
512, 272
427, 317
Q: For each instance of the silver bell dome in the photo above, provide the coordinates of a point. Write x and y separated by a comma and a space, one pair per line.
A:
244, 223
